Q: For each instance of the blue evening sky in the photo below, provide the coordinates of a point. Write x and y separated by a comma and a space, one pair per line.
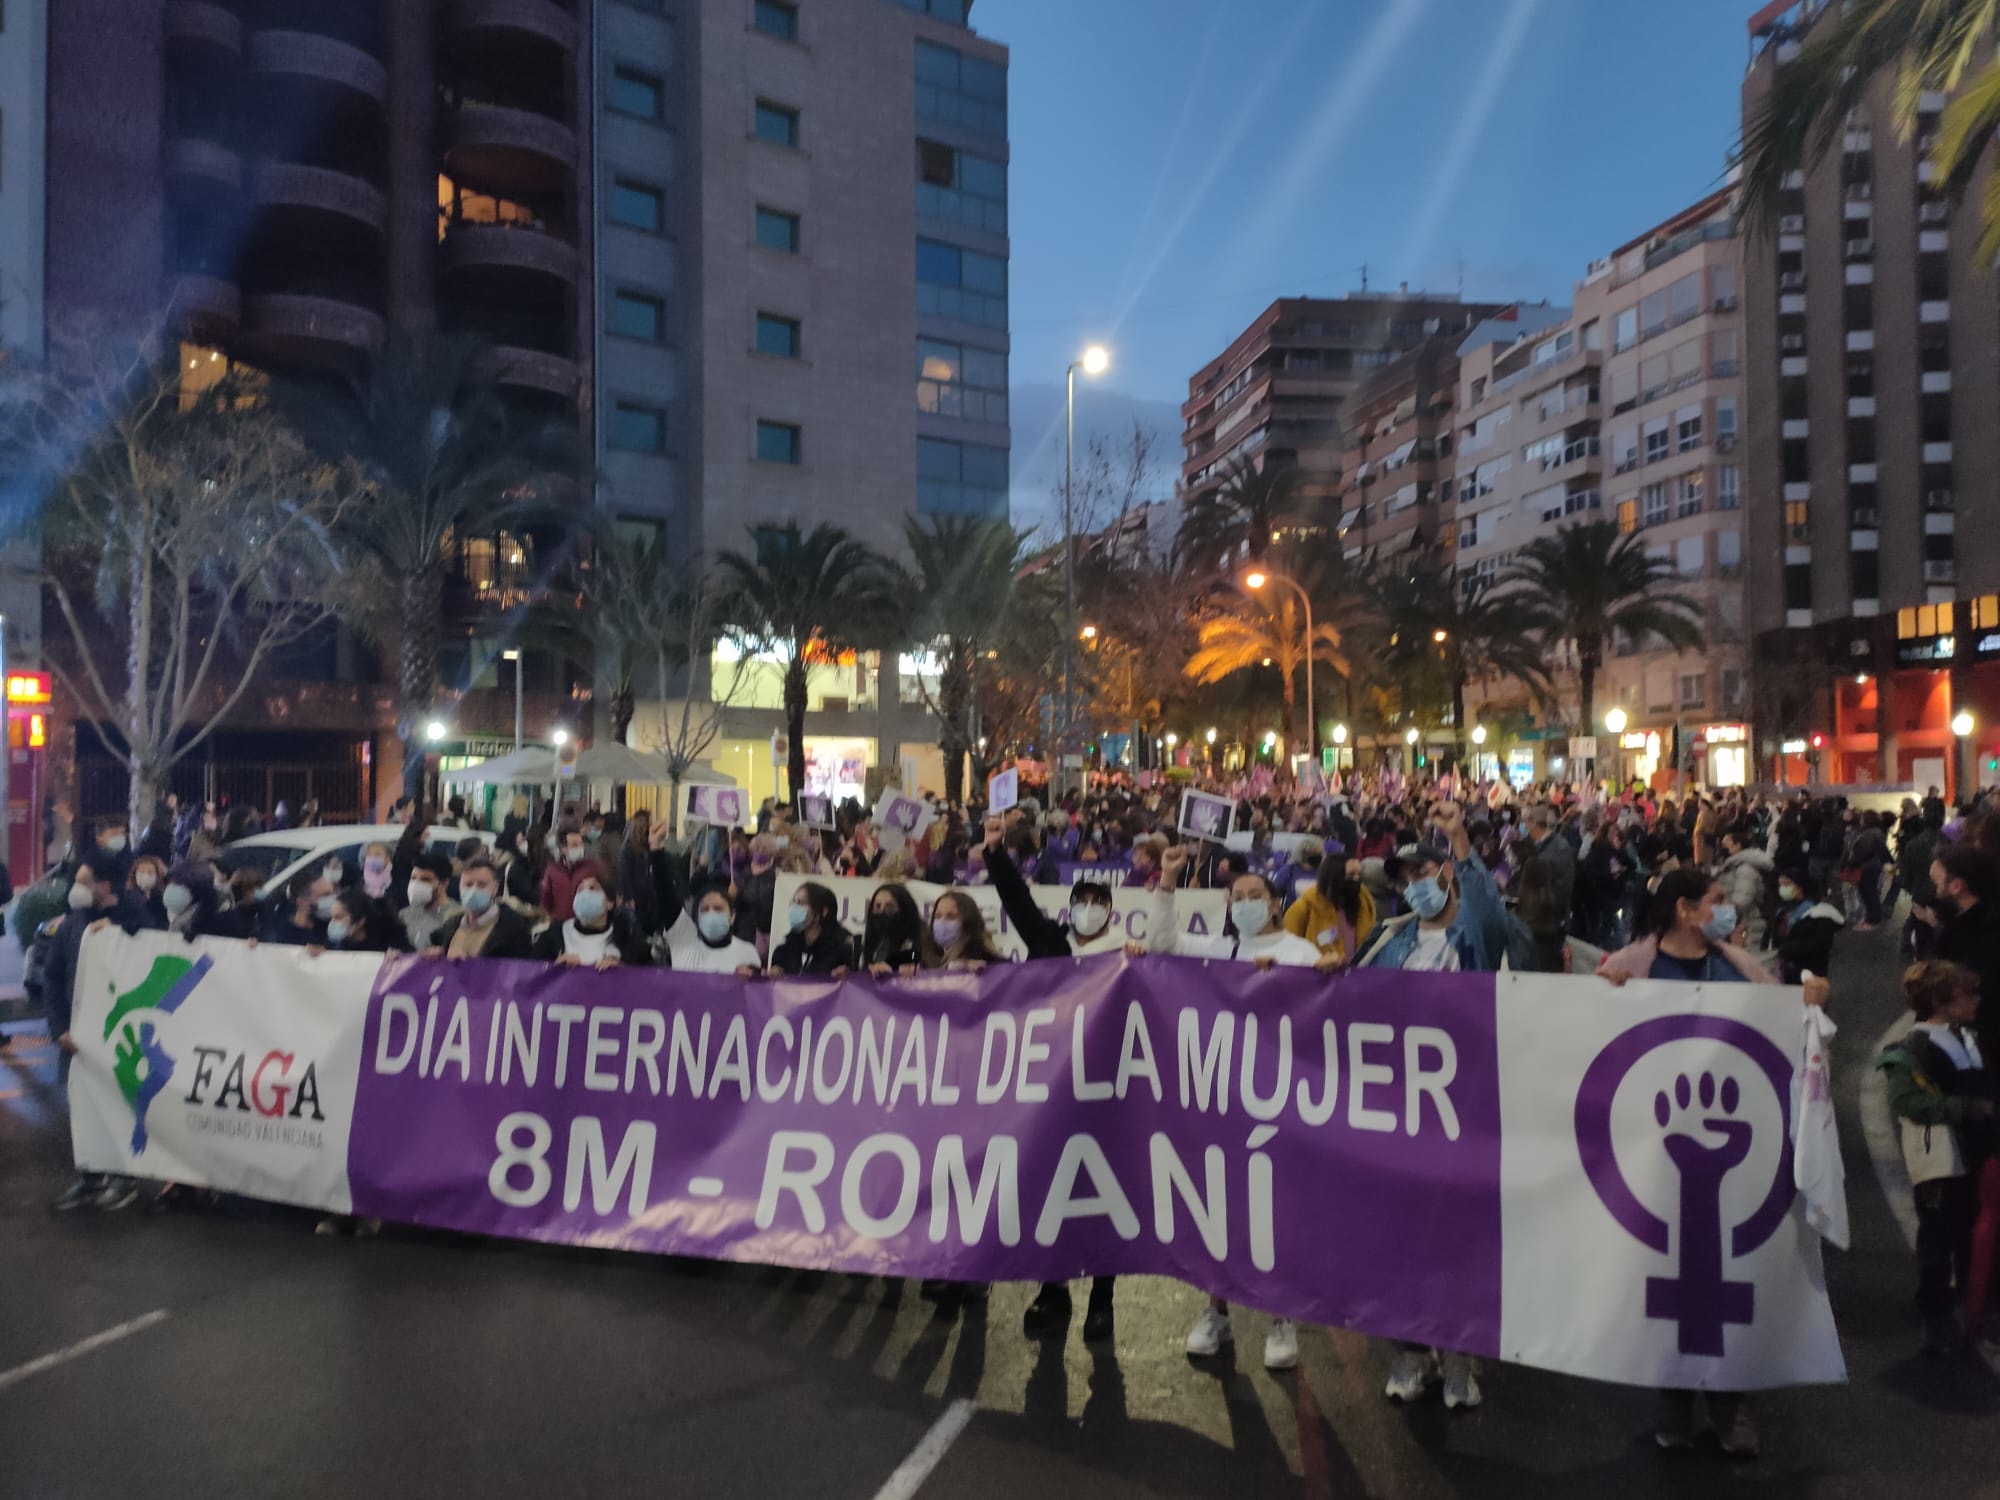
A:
1177, 164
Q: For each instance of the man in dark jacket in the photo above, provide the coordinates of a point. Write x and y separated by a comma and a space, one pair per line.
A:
486, 927
1969, 926
93, 896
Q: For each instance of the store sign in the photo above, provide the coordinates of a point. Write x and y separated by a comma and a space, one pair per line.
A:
1635, 739
1725, 734
1793, 747
1934, 648
1987, 647
1583, 747
27, 687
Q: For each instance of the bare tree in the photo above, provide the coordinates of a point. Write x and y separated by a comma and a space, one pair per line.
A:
695, 614
190, 522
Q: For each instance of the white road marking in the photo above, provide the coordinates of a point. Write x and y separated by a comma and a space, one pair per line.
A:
928, 1454
80, 1348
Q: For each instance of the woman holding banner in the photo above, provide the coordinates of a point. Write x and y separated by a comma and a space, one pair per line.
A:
706, 941
892, 941
595, 936
957, 936
817, 944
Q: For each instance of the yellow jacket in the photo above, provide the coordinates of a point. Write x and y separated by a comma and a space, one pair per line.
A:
1315, 919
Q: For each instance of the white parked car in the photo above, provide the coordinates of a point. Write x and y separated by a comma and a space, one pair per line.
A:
291, 851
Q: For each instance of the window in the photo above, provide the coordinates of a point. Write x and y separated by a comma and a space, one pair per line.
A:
961, 187
1688, 557
1656, 504
1732, 687
1628, 517
1684, 298
1723, 359
1687, 429
1625, 448
777, 336
777, 230
1796, 521
1864, 574
961, 479
774, 18
777, 124
1722, 285
778, 443
1728, 553
1625, 331
956, 381
961, 89
637, 206
1688, 501
637, 93
1728, 488
1694, 689
1656, 440
638, 429
961, 284
1652, 314
634, 315
1725, 419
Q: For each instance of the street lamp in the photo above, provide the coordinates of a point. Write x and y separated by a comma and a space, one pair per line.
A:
560, 737
1095, 361
1090, 632
515, 657
1615, 721
435, 731
1210, 736
1256, 580
1962, 725
1410, 735
1439, 637
1479, 734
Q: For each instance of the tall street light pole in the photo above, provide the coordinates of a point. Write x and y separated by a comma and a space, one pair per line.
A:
519, 703
1257, 580
1096, 360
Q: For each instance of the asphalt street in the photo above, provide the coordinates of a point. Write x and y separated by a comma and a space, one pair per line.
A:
243, 1355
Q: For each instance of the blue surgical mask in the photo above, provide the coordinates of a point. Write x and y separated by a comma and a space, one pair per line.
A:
1250, 916
337, 932
1427, 896
323, 908
713, 925
1721, 923
798, 916
476, 899
589, 905
177, 899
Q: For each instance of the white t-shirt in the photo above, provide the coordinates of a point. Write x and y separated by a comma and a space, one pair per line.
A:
693, 956
1433, 953
586, 947
1273, 943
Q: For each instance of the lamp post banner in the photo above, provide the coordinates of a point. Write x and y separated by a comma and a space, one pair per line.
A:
1533, 1169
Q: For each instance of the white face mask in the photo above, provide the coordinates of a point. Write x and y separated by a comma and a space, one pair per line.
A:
420, 892
1087, 918
81, 897
145, 880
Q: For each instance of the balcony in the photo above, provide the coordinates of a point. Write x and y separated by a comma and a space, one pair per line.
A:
1860, 340
279, 54
1940, 500
543, 21
508, 247
204, 23
194, 159
1936, 382
1940, 523
1941, 572
503, 149
1861, 406
318, 190
311, 327
1583, 451
1796, 427
1862, 474
1792, 302
1798, 491
1792, 365
1937, 453
209, 305
533, 369
1934, 312
1933, 213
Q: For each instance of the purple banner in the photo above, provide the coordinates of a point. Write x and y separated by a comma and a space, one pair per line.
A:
1328, 1150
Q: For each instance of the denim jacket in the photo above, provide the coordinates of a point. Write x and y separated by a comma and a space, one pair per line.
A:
1478, 933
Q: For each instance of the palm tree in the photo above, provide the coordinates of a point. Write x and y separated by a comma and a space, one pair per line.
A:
961, 589
1437, 628
618, 609
805, 597
443, 460
1588, 584
1241, 516
1255, 630
1944, 45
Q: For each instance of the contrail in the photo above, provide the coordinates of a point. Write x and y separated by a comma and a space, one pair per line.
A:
1451, 168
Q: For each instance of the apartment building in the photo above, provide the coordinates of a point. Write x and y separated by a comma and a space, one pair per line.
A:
1395, 471
804, 275
1872, 454
1276, 395
23, 110
1671, 386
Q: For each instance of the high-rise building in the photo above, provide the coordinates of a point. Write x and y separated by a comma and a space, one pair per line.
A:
23, 107
291, 184
1871, 452
1671, 387
803, 276
1395, 472
1275, 396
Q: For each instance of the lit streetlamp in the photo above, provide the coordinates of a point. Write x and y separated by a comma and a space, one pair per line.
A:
560, 737
1962, 725
515, 657
1095, 361
1479, 734
1255, 581
435, 731
1615, 721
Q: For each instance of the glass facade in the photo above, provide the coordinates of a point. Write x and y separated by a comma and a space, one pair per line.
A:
961, 479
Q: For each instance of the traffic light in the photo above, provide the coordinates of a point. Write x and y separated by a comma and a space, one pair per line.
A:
1819, 742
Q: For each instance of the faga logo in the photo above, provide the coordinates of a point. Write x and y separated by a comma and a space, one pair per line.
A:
272, 1086
1706, 1128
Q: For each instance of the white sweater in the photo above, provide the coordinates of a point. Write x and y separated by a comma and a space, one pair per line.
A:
1273, 943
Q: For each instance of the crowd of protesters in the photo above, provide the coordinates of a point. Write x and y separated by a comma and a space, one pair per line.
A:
1436, 876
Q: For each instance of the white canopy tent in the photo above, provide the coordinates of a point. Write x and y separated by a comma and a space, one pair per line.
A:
608, 763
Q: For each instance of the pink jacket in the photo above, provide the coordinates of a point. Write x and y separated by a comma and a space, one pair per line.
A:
1636, 962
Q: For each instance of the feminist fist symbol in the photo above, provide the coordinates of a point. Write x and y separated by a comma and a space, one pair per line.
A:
1699, 1299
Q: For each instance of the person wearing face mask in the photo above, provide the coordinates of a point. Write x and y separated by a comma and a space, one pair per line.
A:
486, 927
356, 925
1090, 931
1335, 912
814, 942
92, 896
189, 903
891, 940
377, 872
573, 865
139, 907
1255, 936
204, 843
956, 937
235, 912
426, 907
313, 895
757, 893
597, 936
705, 941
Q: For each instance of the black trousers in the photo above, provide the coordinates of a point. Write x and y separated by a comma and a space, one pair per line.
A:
1946, 1210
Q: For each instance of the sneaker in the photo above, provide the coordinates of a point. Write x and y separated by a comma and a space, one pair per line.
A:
1461, 1382
1210, 1332
78, 1193
332, 1224
119, 1192
1281, 1345
1097, 1320
1410, 1374
1048, 1313
1737, 1434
